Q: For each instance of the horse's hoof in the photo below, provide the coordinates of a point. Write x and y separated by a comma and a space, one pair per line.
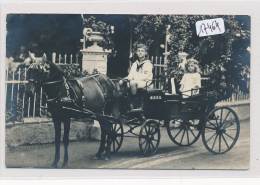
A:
107, 158
65, 165
97, 157
54, 165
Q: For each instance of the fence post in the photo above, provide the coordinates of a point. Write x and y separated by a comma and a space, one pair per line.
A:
65, 59
59, 58
71, 58
54, 57
12, 91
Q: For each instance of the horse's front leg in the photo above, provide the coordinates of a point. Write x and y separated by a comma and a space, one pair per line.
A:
57, 127
102, 143
66, 141
109, 141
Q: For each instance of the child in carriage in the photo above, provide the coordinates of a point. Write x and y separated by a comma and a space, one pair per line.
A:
141, 72
191, 80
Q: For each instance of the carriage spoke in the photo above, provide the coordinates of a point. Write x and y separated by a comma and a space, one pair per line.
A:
152, 145
217, 122
228, 124
146, 132
117, 142
221, 114
187, 134
214, 142
153, 131
231, 129
192, 132
225, 141
229, 136
114, 127
211, 137
210, 128
156, 140
219, 142
212, 124
183, 135
150, 128
178, 133
118, 129
227, 116
146, 145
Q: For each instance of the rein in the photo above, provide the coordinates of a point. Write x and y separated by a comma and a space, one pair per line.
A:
52, 82
57, 82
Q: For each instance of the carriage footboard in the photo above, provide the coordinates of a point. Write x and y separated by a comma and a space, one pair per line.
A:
79, 113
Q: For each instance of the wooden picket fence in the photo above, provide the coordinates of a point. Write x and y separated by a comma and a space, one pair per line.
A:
158, 70
17, 101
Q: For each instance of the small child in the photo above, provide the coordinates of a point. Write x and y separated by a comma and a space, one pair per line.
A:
191, 80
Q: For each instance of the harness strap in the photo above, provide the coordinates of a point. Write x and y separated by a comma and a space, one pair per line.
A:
52, 82
100, 85
66, 87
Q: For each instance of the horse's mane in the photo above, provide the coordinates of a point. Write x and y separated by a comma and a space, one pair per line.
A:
57, 68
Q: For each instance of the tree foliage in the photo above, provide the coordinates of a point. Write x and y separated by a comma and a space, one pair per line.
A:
52, 32
226, 53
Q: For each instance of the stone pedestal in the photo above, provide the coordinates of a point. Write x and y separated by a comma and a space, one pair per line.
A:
94, 58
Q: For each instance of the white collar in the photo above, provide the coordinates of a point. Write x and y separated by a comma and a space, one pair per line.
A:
140, 63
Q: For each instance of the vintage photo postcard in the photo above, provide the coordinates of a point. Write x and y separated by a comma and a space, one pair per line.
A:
127, 91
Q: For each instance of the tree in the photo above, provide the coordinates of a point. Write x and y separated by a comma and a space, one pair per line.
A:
52, 32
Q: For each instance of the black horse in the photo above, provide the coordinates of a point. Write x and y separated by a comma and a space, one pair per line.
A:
95, 95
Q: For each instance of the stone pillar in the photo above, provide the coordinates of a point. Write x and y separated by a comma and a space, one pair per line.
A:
94, 56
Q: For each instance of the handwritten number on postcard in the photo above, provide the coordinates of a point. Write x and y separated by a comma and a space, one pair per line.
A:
210, 27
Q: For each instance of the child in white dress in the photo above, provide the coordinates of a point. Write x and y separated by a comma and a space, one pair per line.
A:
191, 80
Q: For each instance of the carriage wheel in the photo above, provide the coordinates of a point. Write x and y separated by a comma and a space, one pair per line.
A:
184, 133
149, 137
117, 134
221, 130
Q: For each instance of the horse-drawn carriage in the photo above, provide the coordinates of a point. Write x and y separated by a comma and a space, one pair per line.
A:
186, 119
98, 97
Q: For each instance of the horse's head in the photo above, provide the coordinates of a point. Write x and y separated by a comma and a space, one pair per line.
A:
38, 72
